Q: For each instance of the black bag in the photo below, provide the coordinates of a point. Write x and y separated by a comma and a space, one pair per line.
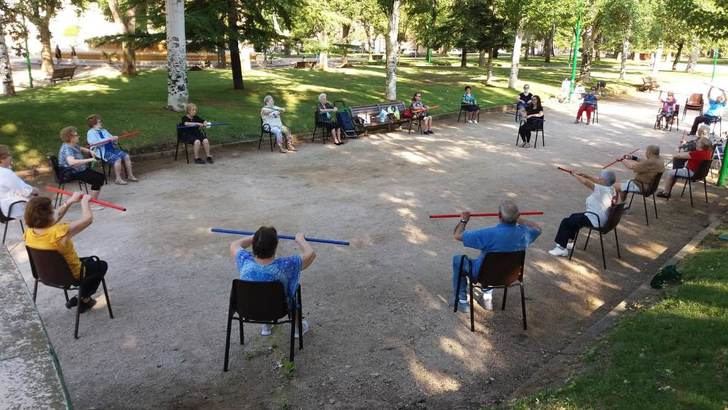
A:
669, 275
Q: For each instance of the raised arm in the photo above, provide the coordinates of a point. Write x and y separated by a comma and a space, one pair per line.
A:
307, 252
460, 227
86, 219
586, 180
236, 245
530, 224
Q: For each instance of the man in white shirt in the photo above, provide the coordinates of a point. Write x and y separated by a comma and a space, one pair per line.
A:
12, 188
603, 196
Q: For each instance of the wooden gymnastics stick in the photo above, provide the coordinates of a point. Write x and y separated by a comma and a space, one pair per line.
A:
96, 201
249, 233
482, 214
126, 134
206, 125
619, 159
566, 170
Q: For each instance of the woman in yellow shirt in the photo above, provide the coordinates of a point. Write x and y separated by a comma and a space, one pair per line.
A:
47, 232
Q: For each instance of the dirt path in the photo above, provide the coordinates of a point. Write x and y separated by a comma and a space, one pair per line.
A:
382, 332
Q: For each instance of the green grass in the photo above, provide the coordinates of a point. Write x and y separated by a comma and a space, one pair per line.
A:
32, 120
672, 355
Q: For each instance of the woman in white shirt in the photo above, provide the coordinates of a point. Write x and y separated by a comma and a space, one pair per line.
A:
13, 191
271, 116
603, 196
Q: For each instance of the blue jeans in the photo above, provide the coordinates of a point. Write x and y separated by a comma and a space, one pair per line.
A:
462, 294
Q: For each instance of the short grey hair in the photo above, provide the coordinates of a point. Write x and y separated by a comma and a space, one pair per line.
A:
609, 177
508, 211
653, 151
267, 98
703, 130
322, 97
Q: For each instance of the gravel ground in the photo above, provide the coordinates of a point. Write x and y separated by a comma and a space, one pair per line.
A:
382, 334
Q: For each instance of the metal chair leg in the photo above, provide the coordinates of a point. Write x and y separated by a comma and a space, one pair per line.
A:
227, 341
523, 306
601, 242
78, 314
106, 295
300, 319
654, 203
571, 253
690, 188
644, 202
5, 233
35, 290
616, 240
505, 295
705, 188
588, 236
472, 308
293, 333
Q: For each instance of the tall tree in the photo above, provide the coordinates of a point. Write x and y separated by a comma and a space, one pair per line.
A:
124, 14
7, 87
391, 9
517, 20
177, 89
39, 13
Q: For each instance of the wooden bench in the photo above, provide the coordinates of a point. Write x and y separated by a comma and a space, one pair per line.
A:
305, 64
62, 73
370, 115
649, 84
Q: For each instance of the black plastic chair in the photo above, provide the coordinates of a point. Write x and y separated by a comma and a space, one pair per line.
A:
464, 110
62, 179
322, 123
6, 219
265, 129
265, 303
539, 127
614, 216
500, 270
699, 175
50, 268
645, 191
595, 116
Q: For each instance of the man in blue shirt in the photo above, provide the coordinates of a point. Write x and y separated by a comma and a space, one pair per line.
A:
715, 110
589, 105
513, 233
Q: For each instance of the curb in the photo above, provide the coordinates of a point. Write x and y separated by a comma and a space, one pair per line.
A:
558, 368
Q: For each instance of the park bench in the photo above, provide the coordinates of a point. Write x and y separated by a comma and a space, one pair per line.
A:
649, 84
377, 57
62, 73
305, 64
370, 115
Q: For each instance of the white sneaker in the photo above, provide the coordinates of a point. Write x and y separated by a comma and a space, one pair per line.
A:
559, 251
470, 121
570, 245
475, 121
265, 330
304, 325
487, 300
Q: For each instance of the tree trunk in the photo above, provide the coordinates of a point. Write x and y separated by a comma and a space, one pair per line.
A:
495, 53
370, 43
46, 54
548, 44
516, 57
233, 46
526, 54
345, 28
658, 58
7, 87
463, 58
392, 50
324, 53
126, 19
221, 60
625, 53
586, 55
177, 90
694, 54
489, 67
597, 48
481, 58
677, 54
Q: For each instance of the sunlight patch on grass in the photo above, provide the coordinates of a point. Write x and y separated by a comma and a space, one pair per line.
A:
9, 129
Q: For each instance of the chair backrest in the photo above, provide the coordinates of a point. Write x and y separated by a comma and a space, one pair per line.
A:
264, 301
652, 187
695, 99
703, 170
502, 268
50, 268
57, 173
614, 215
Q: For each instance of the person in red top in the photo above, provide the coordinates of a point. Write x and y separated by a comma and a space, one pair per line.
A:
703, 152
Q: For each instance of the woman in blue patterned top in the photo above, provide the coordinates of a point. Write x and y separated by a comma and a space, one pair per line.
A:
109, 152
470, 106
75, 165
263, 266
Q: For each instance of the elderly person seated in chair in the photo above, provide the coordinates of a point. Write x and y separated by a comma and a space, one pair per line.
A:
271, 116
602, 198
190, 128
644, 171
12, 188
703, 152
263, 266
47, 232
511, 234
715, 110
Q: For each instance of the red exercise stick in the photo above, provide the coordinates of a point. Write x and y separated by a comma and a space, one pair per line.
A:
482, 214
96, 201
619, 159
